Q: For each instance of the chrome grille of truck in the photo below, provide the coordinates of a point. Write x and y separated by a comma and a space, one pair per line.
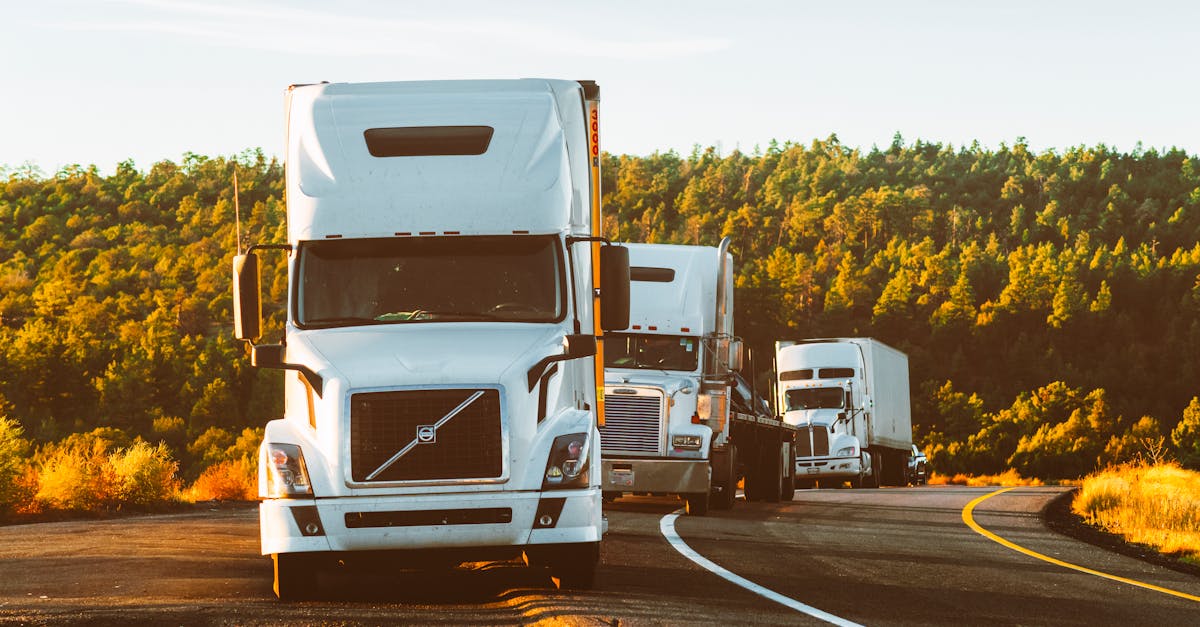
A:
632, 424
467, 446
812, 442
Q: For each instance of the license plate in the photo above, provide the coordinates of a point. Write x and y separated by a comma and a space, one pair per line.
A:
812, 471
622, 478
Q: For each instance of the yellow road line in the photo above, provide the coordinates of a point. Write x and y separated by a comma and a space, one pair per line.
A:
970, 522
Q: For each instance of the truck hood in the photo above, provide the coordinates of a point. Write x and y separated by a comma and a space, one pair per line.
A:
432, 353
814, 417
669, 383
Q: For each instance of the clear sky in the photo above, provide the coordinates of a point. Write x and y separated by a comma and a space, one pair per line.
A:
101, 81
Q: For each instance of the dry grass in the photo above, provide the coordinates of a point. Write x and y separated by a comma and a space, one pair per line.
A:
1156, 505
1008, 478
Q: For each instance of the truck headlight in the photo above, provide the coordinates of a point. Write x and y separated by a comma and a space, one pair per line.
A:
567, 466
287, 476
687, 441
849, 451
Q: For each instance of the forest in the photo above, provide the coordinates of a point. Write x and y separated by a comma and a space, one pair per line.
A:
1049, 301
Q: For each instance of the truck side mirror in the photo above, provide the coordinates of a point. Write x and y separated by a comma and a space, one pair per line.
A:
614, 288
736, 354
247, 303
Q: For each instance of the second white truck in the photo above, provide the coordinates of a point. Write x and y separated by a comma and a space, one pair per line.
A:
850, 399
679, 418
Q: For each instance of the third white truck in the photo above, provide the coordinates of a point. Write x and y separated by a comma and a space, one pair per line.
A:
850, 399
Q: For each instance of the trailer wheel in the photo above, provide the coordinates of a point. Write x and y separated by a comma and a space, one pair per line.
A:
295, 576
609, 497
788, 491
696, 503
772, 476
725, 497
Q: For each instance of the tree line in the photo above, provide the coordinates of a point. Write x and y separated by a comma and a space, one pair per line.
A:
1049, 301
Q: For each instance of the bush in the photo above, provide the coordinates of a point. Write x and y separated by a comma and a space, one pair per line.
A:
14, 453
75, 476
144, 474
87, 474
230, 480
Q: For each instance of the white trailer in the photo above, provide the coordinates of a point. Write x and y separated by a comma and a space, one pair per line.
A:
443, 329
680, 419
850, 399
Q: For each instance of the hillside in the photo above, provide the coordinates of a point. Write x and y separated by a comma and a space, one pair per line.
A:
1049, 302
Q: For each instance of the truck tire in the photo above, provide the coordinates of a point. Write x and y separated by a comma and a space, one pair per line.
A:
772, 478
295, 576
724, 498
573, 566
696, 503
788, 491
873, 480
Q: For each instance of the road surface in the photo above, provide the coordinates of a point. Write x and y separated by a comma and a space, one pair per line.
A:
899, 556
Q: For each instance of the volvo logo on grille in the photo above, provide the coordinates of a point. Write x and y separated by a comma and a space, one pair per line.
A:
426, 434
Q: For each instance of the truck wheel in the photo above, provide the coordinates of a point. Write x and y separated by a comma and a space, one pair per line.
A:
573, 566
609, 497
295, 576
725, 497
873, 481
696, 503
788, 491
772, 479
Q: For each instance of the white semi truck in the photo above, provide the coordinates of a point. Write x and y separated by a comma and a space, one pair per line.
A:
679, 418
445, 288
850, 399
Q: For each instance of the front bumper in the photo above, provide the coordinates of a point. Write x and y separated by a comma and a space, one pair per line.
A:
675, 476
445, 521
828, 468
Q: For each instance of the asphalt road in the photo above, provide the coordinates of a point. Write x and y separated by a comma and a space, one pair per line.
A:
874, 557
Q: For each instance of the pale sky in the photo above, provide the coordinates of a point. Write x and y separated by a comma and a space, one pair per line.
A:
101, 81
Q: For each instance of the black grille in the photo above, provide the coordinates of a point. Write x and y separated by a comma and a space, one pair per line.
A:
426, 518
468, 446
812, 442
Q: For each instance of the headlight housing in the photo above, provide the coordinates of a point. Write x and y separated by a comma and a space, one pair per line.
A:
287, 475
692, 442
568, 464
848, 451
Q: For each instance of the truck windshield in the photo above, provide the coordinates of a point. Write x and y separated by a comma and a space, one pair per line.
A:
430, 279
815, 398
650, 352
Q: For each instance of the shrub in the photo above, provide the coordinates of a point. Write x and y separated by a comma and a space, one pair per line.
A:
83, 473
144, 474
230, 480
76, 476
14, 453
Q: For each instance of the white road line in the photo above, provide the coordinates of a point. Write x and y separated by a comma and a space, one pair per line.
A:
667, 527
